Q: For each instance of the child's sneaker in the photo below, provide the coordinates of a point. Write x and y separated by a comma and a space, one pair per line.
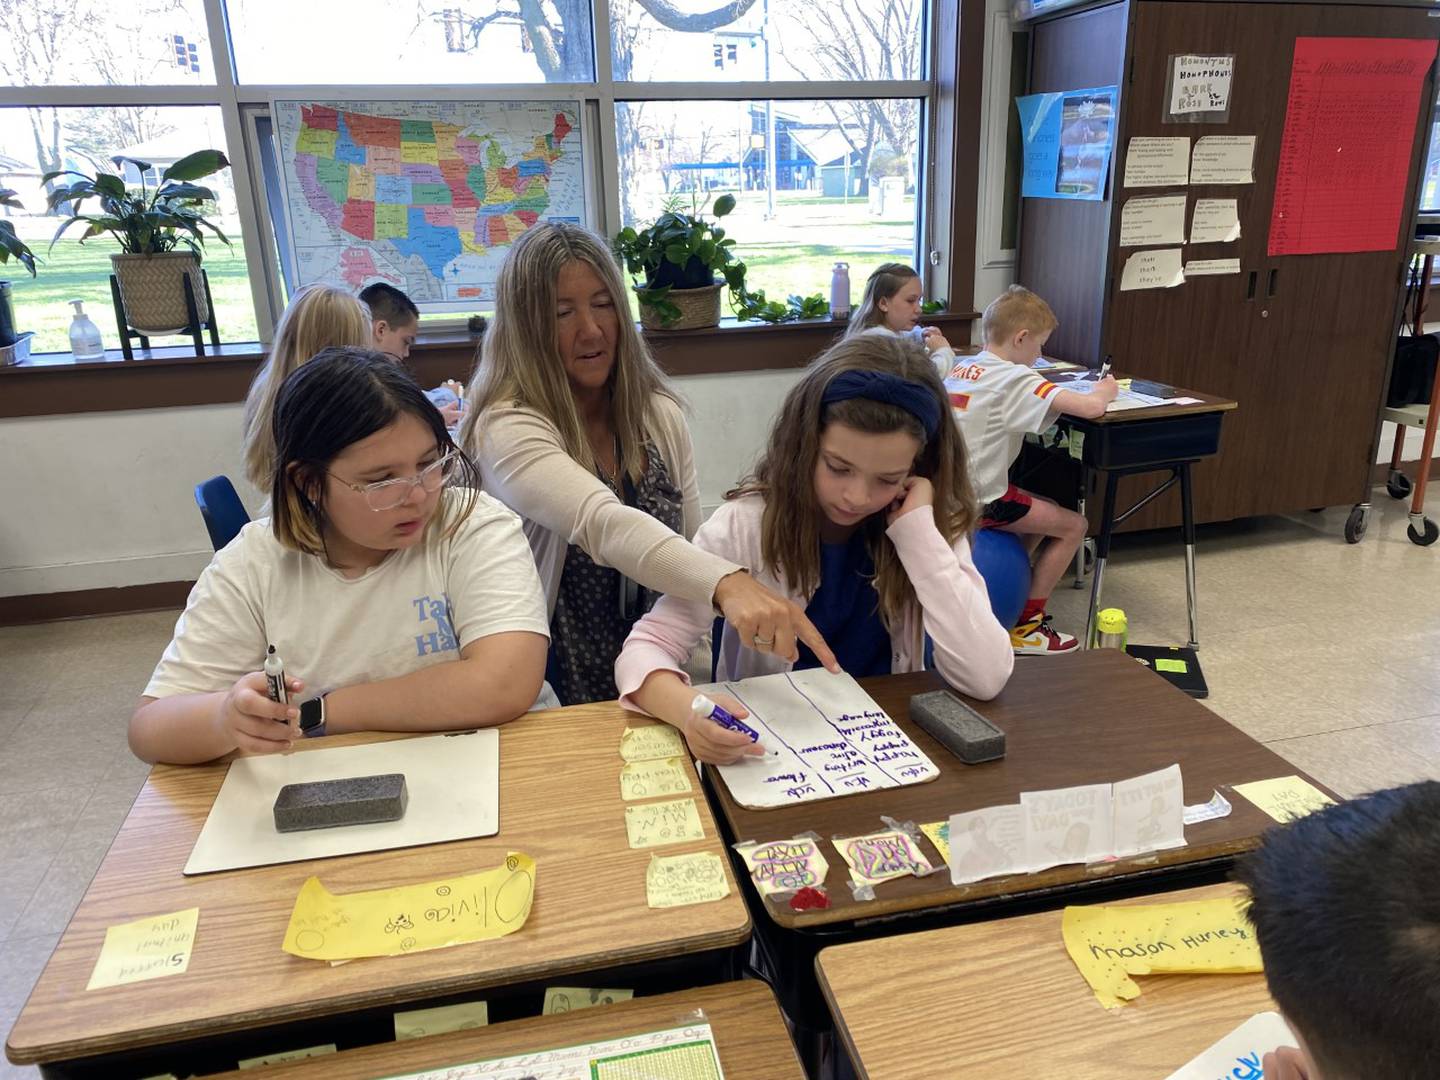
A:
1037, 637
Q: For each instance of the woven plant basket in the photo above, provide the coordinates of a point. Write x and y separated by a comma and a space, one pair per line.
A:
698, 308
152, 289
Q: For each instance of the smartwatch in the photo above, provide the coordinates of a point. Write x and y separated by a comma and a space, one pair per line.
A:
312, 717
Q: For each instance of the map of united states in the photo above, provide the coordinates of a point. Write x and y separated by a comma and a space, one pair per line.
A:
401, 196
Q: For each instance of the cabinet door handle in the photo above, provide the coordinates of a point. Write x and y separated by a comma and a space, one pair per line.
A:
1250, 286
1274, 277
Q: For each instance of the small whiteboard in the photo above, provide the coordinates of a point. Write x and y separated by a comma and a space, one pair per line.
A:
830, 738
453, 784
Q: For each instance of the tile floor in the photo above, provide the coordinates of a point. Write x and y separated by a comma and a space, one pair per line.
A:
1324, 651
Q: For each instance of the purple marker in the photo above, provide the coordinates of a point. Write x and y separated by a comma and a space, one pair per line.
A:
703, 706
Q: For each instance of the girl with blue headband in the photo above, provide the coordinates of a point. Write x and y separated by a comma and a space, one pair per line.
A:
860, 511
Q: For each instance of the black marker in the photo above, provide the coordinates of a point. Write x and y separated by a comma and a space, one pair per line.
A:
275, 677
1104, 369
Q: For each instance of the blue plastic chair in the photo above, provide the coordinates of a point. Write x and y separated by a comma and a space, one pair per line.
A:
222, 510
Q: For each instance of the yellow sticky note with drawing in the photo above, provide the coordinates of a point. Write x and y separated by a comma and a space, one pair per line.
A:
1110, 944
650, 742
1286, 797
653, 778
677, 880
939, 834
652, 824
411, 918
145, 949
417, 1023
563, 999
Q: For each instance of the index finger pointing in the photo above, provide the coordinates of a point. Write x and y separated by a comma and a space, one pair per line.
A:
807, 633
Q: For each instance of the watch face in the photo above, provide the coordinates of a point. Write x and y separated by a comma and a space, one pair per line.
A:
310, 714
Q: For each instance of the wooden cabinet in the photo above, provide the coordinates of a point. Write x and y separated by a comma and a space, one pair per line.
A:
1302, 342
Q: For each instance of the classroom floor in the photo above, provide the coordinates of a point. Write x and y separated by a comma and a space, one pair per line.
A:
1322, 650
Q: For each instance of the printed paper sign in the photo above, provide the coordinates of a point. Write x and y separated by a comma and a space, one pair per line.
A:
989, 842
1153, 219
1067, 824
1215, 221
1148, 812
1223, 159
1157, 162
1204, 268
1157, 269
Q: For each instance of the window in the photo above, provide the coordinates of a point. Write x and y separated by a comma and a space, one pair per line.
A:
816, 114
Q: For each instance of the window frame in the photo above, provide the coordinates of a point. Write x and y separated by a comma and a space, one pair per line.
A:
946, 204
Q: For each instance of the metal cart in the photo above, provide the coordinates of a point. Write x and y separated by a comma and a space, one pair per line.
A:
1422, 530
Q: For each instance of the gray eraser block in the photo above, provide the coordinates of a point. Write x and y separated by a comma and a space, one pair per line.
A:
325, 804
957, 727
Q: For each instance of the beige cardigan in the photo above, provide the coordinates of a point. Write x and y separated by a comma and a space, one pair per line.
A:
523, 464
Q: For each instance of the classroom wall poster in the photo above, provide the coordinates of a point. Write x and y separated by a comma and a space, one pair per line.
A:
1068, 138
1345, 154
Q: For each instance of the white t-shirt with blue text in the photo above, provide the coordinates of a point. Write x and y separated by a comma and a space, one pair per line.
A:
418, 607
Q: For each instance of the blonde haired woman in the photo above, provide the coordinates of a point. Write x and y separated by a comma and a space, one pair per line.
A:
576, 429
317, 317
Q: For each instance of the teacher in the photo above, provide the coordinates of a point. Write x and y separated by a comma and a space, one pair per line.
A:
575, 428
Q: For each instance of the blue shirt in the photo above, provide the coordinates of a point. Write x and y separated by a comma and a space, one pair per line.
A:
846, 611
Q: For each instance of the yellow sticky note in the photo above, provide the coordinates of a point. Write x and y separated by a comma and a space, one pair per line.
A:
1175, 667
677, 880
563, 999
652, 824
649, 779
411, 918
650, 742
287, 1055
1110, 944
784, 866
145, 949
939, 834
417, 1023
1285, 798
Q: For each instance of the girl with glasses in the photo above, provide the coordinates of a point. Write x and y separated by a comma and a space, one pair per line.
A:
398, 600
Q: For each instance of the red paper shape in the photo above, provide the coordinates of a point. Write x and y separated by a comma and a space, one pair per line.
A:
1345, 156
807, 898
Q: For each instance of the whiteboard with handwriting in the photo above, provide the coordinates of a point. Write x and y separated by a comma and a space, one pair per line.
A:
830, 738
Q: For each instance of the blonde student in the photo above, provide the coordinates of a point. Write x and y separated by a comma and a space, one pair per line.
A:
892, 303
997, 399
397, 600
317, 317
575, 427
860, 510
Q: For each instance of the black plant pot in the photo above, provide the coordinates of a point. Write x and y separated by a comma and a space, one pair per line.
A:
693, 275
7, 317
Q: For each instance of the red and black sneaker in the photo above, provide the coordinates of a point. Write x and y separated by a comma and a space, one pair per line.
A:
1036, 637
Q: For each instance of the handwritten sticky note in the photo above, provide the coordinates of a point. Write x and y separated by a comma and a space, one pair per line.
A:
678, 880
663, 823
145, 949
286, 1055
417, 1023
653, 777
939, 834
1240, 1055
784, 865
1110, 944
411, 918
650, 742
563, 999
882, 856
1285, 798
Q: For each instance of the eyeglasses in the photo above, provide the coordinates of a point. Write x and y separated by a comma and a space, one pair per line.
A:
388, 494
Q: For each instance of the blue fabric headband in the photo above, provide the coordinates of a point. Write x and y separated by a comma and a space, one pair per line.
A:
913, 397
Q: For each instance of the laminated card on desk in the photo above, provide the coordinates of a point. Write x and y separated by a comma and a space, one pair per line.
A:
829, 738
453, 781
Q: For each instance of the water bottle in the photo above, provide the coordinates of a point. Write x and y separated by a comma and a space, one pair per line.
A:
85, 341
1112, 631
840, 291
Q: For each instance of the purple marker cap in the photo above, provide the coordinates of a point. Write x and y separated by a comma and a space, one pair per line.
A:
705, 707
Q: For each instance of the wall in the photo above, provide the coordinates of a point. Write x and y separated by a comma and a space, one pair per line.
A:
105, 499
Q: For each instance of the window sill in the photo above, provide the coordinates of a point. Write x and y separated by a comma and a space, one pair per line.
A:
51, 384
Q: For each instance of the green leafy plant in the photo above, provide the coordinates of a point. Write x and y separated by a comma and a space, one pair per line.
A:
930, 307
686, 251
11, 246
144, 222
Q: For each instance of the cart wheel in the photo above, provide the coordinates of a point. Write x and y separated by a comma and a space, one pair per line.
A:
1356, 524
1398, 485
1428, 537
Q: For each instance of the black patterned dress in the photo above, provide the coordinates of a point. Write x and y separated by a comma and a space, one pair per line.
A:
597, 605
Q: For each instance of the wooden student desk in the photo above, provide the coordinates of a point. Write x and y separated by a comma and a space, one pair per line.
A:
1003, 998
749, 1035
559, 803
1088, 718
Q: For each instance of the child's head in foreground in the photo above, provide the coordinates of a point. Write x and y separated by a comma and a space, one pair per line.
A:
1017, 324
397, 319
1346, 908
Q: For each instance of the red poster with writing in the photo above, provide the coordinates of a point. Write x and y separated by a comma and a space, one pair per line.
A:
1349, 131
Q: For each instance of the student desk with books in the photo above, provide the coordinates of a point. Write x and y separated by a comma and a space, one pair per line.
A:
242, 996
1091, 717
1003, 998
749, 1033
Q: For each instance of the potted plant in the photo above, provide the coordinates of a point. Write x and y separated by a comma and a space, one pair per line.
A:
159, 233
12, 345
